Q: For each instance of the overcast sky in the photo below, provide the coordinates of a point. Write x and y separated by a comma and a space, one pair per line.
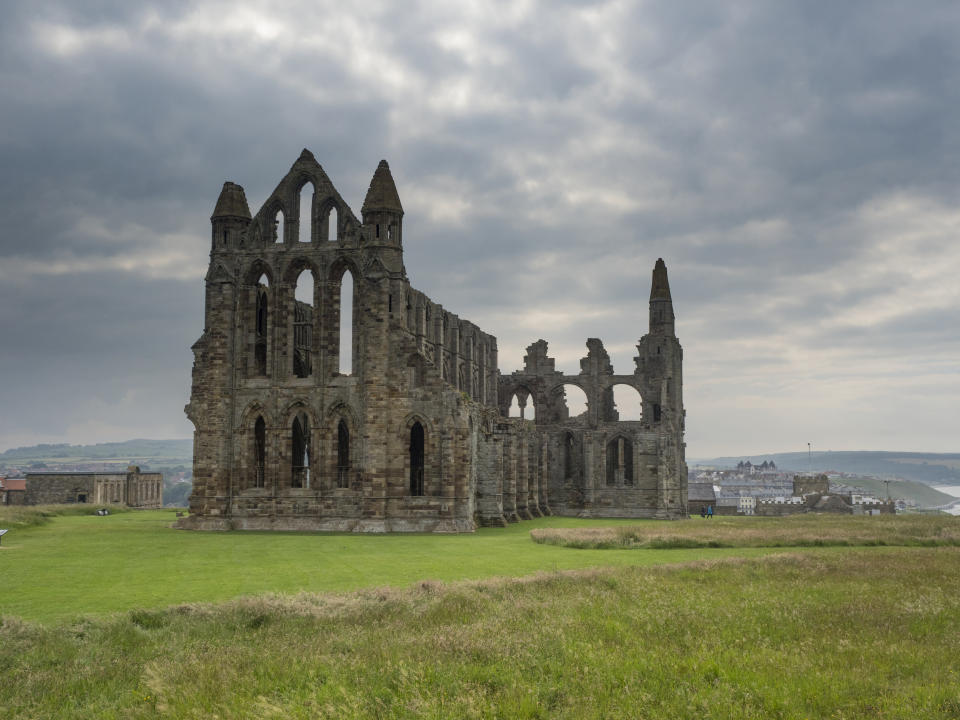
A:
797, 166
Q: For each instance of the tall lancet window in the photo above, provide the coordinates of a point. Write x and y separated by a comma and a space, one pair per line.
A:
305, 226
260, 452
343, 455
346, 324
261, 326
300, 458
416, 459
303, 319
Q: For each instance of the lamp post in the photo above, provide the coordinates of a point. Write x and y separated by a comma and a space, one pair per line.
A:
809, 461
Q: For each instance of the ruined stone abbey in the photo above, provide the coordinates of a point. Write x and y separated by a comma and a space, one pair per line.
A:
414, 434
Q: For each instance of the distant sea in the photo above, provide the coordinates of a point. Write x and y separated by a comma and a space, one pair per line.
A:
950, 490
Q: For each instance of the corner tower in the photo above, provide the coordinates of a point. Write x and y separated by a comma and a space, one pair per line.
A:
382, 211
660, 370
230, 218
661, 304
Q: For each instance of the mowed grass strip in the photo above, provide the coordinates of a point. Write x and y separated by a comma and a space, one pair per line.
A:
859, 633
808, 530
84, 564
20, 517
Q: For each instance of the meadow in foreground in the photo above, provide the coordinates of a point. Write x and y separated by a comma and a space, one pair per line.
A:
83, 564
854, 633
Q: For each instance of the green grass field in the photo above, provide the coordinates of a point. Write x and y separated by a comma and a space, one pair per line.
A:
80, 565
122, 617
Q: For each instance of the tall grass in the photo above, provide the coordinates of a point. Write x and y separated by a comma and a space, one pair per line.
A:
743, 532
852, 634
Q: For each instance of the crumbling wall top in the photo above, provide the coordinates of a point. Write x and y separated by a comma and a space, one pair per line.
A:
597, 361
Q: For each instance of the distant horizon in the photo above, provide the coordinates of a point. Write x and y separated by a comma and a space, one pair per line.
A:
690, 458
814, 452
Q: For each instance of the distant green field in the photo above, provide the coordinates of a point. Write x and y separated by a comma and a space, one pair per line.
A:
79, 565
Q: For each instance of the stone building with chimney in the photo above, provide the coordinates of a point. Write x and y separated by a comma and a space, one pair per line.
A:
411, 431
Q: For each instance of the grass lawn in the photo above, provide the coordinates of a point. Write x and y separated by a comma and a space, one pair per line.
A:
84, 564
845, 633
122, 617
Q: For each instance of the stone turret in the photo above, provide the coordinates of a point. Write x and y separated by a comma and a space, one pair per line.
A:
382, 211
661, 304
660, 364
230, 218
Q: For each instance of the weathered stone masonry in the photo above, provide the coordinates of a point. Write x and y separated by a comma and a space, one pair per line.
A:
414, 436
132, 488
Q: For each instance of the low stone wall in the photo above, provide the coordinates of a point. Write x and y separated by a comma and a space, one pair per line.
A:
13, 497
59, 488
779, 509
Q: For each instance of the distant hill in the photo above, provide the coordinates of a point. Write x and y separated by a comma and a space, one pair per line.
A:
146, 450
920, 493
928, 468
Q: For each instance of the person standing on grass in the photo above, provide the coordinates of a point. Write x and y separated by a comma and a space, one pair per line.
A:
703, 511
709, 511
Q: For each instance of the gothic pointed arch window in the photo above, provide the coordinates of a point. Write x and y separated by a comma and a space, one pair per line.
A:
571, 403
343, 454
346, 329
305, 226
303, 319
300, 451
522, 405
259, 452
279, 229
333, 225
416, 459
261, 323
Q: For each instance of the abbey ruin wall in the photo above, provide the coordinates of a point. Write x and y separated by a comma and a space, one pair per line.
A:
413, 435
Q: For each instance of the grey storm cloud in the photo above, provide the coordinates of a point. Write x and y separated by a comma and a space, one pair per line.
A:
795, 164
